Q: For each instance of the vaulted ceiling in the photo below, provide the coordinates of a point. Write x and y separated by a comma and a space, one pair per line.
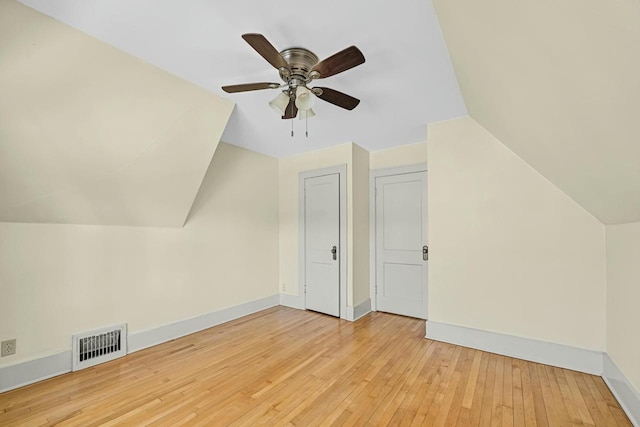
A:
92, 135
558, 83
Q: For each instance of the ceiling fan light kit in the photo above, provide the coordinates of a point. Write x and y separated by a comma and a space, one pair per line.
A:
298, 67
280, 103
304, 98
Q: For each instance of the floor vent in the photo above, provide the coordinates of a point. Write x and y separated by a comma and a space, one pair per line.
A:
99, 346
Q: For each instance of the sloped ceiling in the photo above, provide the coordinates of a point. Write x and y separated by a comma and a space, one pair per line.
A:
92, 135
406, 82
558, 83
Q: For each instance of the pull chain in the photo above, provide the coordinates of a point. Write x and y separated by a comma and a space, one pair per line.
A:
306, 124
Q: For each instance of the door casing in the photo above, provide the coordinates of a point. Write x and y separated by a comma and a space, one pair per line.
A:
341, 170
373, 174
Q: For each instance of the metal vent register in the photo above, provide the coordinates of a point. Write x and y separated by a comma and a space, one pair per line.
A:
99, 346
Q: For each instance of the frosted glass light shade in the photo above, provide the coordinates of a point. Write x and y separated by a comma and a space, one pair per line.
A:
305, 114
280, 103
304, 98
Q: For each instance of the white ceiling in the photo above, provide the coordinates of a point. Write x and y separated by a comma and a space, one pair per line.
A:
406, 82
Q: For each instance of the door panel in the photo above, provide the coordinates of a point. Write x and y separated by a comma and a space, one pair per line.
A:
402, 215
401, 232
322, 233
402, 281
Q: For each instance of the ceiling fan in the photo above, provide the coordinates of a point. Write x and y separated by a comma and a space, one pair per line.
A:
298, 67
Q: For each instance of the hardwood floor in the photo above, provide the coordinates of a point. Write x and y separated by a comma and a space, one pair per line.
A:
290, 367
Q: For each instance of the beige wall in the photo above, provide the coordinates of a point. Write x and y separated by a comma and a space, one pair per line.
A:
360, 188
92, 135
403, 155
557, 83
56, 280
510, 252
500, 234
623, 294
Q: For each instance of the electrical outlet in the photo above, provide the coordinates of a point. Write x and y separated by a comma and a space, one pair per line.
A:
284, 287
8, 348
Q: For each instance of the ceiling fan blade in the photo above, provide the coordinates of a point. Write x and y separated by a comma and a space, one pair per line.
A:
250, 86
339, 62
266, 50
338, 98
291, 111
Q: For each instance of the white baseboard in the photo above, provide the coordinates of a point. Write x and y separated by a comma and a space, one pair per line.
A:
158, 335
293, 301
623, 390
354, 313
562, 356
589, 361
32, 371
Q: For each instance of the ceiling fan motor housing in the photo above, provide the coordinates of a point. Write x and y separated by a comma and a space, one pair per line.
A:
300, 61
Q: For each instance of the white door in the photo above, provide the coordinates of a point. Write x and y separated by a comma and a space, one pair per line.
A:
322, 244
401, 243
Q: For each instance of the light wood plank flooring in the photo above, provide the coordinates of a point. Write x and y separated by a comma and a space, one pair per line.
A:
290, 367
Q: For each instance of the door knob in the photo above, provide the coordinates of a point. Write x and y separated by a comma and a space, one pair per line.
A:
334, 251
425, 253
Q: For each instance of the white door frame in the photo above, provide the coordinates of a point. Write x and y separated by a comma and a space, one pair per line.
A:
373, 174
341, 170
